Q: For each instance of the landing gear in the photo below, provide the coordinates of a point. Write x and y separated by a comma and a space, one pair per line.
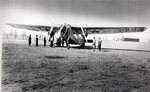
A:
68, 46
82, 45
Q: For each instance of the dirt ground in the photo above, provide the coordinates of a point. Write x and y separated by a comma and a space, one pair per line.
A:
39, 69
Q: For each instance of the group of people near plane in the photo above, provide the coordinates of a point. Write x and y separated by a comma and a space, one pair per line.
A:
60, 42
99, 43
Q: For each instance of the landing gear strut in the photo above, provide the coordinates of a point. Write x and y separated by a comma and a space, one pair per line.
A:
82, 45
68, 44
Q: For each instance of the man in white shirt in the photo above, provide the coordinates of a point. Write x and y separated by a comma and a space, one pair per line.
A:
94, 43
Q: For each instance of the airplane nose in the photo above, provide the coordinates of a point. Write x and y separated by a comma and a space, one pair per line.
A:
67, 26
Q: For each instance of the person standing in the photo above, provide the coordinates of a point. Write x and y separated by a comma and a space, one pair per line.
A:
69, 37
58, 42
94, 43
44, 41
62, 42
36, 40
83, 41
29, 40
68, 44
51, 41
99, 44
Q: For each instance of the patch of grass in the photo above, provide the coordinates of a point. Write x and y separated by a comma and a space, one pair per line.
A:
37, 69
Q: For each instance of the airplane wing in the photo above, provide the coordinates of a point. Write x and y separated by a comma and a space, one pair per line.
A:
107, 30
35, 27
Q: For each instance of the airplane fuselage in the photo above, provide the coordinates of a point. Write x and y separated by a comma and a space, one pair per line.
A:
67, 33
80, 34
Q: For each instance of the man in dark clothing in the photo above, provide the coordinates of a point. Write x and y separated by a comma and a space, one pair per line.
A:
59, 42
44, 41
29, 40
83, 41
99, 44
68, 44
62, 42
36, 40
51, 41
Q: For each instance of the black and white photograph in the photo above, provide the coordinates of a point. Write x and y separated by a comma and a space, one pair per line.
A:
75, 45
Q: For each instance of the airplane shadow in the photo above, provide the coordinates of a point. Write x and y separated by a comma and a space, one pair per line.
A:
78, 47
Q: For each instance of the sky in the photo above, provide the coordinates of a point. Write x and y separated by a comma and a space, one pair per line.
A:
81, 12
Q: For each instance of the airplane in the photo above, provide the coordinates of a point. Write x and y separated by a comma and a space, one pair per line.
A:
80, 35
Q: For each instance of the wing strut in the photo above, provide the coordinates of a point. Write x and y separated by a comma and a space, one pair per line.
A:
83, 33
50, 31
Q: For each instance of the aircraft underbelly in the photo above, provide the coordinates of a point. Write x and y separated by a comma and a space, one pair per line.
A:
75, 39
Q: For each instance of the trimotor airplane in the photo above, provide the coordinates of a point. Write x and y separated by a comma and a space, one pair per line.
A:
79, 34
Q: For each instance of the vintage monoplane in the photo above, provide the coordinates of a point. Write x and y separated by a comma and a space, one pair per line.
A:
78, 34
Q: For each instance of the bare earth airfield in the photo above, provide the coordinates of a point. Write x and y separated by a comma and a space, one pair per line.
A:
39, 69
